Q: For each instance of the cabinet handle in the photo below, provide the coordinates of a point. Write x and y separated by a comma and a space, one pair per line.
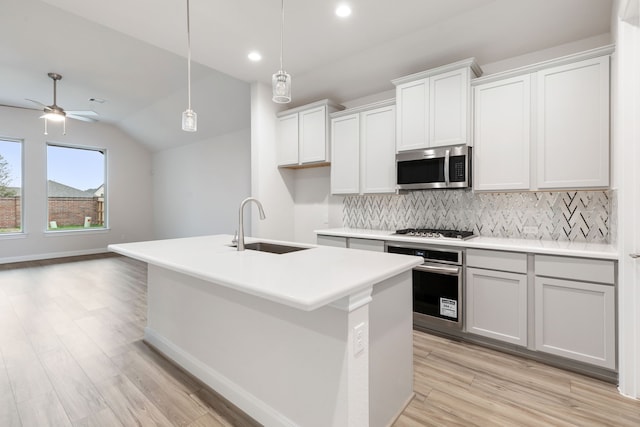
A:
634, 256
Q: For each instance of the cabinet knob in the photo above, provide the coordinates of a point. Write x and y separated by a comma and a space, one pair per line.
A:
634, 255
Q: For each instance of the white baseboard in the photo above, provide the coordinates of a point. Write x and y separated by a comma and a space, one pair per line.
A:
252, 405
52, 255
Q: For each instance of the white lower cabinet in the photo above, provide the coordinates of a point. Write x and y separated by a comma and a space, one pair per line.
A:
496, 301
366, 244
576, 319
335, 241
351, 242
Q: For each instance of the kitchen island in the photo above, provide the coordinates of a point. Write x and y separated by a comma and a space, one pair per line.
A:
316, 337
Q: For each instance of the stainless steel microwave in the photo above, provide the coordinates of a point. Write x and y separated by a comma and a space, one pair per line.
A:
442, 167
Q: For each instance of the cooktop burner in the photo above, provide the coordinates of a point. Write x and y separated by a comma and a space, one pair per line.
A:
434, 233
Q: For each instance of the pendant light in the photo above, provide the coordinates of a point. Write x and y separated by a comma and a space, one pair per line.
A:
189, 117
281, 81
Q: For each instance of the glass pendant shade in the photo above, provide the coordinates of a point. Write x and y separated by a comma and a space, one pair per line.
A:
189, 121
281, 85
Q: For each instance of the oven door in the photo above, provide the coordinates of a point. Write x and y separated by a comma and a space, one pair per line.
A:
437, 295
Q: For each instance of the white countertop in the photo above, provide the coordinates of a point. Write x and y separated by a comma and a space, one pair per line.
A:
306, 280
547, 247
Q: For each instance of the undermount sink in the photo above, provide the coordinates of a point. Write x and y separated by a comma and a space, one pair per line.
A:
272, 248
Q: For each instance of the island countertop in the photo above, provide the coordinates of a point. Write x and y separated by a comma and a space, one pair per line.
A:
306, 279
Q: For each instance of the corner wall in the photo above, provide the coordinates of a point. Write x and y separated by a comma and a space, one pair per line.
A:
274, 187
129, 188
197, 188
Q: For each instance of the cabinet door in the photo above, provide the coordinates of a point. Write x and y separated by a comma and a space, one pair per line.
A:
576, 320
345, 154
496, 305
313, 135
502, 134
378, 142
573, 125
288, 140
412, 100
449, 108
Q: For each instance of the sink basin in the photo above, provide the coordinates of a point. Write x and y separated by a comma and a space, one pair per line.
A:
272, 248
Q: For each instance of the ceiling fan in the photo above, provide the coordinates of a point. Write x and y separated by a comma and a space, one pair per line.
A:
56, 113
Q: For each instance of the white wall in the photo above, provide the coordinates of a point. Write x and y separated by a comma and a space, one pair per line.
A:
274, 187
626, 155
197, 188
129, 188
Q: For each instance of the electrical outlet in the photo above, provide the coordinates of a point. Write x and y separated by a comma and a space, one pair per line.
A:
359, 338
531, 229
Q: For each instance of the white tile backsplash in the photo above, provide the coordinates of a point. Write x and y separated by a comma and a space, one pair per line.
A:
573, 215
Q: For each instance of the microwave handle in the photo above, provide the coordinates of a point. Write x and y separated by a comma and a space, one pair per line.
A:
446, 167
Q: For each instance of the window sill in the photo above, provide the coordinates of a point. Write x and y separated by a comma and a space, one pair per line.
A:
59, 233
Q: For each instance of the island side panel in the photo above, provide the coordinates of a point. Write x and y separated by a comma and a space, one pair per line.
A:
280, 365
391, 349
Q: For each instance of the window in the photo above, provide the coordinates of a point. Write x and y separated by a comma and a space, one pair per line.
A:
76, 188
10, 186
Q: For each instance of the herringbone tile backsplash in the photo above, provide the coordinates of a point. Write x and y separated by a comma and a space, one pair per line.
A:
575, 215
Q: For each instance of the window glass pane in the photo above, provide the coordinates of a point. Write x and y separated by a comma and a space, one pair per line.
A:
76, 188
10, 186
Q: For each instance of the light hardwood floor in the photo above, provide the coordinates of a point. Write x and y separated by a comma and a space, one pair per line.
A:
72, 355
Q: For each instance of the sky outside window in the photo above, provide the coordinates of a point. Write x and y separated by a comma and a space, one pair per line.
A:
78, 168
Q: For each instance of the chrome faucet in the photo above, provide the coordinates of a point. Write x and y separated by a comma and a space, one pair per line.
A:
241, 219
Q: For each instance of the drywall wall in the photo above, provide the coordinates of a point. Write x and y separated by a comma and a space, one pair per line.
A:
129, 210
197, 188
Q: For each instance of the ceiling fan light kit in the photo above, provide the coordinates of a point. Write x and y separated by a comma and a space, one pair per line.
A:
189, 117
281, 81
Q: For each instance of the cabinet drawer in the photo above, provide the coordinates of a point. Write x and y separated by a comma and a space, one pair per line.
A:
338, 242
366, 244
590, 270
514, 262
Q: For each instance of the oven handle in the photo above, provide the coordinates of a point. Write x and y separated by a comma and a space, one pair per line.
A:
430, 268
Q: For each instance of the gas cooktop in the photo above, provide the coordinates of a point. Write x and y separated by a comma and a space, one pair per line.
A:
435, 233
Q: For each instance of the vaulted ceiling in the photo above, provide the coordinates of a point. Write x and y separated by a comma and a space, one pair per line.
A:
132, 53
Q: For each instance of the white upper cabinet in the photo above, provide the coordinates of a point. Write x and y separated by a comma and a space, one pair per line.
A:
345, 154
303, 134
449, 108
288, 139
363, 150
433, 107
502, 134
377, 150
412, 110
573, 125
544, 126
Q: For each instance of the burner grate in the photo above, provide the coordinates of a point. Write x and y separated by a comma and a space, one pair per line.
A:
436, 233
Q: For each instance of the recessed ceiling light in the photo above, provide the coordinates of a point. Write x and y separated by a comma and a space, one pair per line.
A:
343, 10
254, 56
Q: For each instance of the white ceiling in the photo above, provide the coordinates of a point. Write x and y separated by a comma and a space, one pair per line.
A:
132, 53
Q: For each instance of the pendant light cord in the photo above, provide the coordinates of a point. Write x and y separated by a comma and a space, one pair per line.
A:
281, 34
189, 56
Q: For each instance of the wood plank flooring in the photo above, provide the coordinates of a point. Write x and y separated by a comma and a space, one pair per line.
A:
72, 355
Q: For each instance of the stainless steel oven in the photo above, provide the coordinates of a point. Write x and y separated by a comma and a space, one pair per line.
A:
437, 284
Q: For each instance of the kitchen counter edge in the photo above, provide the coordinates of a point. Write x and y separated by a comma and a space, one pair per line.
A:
542, 247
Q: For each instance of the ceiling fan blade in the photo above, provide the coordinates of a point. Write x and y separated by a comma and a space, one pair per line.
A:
22, 108
84, 119
83, 113
36, 102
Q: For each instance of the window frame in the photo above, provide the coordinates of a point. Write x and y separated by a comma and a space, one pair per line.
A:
91, 230
22, 232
